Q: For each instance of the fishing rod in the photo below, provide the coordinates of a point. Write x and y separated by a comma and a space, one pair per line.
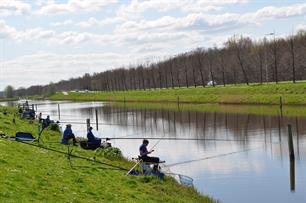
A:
184, 139
74, 122
73, 155
210, 157
52, 103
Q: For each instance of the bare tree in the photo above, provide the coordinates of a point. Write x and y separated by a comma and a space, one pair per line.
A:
292, 53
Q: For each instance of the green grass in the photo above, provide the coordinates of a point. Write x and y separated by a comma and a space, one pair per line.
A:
292, 94
31, 174
8, 99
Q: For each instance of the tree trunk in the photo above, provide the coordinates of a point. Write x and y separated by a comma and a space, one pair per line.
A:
291, 42
242, 67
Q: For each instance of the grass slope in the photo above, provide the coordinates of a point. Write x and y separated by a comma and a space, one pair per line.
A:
31, 174
291, 94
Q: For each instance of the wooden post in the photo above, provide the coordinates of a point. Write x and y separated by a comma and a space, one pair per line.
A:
292, 175
38, 132
87, 123
124, 101
178, 102
97, 122
292, 161
58, 111
281, 105
290, 143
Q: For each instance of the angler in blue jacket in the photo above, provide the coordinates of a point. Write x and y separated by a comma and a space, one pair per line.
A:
92, 139
68, 134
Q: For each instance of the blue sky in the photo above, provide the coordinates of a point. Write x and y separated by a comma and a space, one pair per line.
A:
51, 40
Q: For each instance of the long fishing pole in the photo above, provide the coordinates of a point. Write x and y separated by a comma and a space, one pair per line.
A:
73, 155
73, 122
183, 139
210, 157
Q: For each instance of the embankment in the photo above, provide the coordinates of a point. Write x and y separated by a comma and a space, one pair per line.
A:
33, 174
271, 94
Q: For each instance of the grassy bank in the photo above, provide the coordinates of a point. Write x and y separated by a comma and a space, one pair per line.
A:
8, 99
31, 174
292, 94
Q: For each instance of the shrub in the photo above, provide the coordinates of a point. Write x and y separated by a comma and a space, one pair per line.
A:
111, 153
54, 127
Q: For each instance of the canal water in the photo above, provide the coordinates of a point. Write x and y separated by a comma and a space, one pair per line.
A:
231, 157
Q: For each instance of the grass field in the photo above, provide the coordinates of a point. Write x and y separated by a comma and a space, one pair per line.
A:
291, 94
31, 174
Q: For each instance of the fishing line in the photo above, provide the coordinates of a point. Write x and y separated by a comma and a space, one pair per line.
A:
210, 157
73, 122
187, 139
73, 155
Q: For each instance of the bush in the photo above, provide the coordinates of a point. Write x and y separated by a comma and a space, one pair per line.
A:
111, 153
54, 127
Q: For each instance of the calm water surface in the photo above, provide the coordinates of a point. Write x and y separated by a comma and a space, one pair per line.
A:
231, 157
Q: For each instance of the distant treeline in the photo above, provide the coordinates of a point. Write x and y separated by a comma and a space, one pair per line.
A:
240, 60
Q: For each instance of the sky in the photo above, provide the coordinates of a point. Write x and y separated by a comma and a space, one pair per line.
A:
52, 40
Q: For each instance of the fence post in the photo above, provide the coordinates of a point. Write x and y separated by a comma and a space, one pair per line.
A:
87, 124
290, 143
58, 111
292, 157
97, 122
281, 105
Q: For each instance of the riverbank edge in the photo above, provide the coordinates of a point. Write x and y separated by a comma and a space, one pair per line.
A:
8, 99
8, 128
269, 94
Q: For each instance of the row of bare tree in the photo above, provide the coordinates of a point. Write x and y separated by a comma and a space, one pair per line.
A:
240, 60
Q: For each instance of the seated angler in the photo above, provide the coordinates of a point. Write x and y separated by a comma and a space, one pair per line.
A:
92, 139
46, 122
144, 153
68, 134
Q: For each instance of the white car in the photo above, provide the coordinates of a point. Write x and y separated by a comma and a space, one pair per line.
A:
211, 83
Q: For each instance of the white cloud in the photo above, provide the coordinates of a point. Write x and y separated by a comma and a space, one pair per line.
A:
73, 6
167, 29
300, 27
13, 7
211, 22
210, 5
51, 36
136, 7
91, 22
64, 23
5, 30
34, 34
44, 67
277, 12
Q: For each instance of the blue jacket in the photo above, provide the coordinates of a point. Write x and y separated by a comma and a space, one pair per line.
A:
92, 139
67, 133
